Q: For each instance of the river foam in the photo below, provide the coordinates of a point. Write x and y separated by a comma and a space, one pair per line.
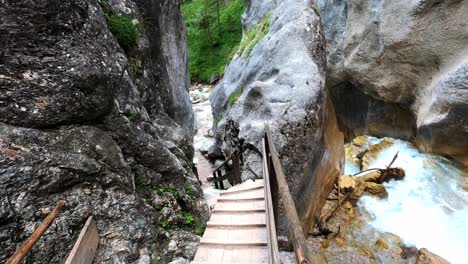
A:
428, 208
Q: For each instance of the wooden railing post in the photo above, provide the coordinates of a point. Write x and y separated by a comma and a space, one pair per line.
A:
214, 178
221, 184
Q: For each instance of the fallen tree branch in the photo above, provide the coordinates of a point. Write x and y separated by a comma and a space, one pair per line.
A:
393, 160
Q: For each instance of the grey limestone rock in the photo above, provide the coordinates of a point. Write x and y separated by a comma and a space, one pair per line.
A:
279, 79
107, 130
400, 56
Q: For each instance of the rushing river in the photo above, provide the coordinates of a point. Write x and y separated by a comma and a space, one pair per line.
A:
428, 208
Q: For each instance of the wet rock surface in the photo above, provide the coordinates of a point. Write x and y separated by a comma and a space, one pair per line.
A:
279, 79
398, 68
107, 130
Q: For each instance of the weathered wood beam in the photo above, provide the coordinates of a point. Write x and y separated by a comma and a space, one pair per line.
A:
86, 245
295, 232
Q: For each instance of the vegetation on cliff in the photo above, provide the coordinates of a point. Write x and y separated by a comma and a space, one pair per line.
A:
214, 32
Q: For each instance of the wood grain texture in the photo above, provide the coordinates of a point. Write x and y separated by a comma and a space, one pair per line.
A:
85, 247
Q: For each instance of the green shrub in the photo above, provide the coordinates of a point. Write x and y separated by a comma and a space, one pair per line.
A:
123, 30
211, 46
188, 218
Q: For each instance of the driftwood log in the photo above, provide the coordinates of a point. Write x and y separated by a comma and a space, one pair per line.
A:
375, 175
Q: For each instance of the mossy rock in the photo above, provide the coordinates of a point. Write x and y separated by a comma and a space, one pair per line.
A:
123, 30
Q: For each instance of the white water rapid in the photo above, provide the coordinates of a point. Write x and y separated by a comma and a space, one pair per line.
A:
428, 208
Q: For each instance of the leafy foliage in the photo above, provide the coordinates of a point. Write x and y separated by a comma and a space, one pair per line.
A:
169, 189
123, 30
211, 45
188, 218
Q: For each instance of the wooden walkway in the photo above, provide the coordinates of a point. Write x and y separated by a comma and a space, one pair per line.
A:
236, 231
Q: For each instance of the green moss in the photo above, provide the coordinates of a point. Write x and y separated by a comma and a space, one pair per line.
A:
164, 223
315, 8
133, 116
234, 96
188, 188
200, 229
123, 30
254, 36
218, 118
211, 46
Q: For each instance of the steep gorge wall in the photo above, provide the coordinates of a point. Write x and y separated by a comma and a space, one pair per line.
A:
108, 131
278, 78
398, 68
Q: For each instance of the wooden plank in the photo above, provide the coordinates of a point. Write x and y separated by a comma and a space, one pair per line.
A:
240, 200
85, 247
240, 205
295, 232
238, 219
31, 241
242, 190
273, 251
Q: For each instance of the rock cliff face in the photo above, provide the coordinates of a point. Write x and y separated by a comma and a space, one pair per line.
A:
108, 131
278, 78
398, 68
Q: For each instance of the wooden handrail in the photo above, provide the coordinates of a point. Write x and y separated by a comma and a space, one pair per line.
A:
233, 176
295, 232
224, 163
31, 241
273, 251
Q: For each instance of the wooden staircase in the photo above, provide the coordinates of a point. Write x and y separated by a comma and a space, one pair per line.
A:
236, 231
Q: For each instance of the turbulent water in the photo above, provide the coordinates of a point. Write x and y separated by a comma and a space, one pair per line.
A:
429, 208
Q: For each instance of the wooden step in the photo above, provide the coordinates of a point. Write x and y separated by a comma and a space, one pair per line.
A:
245, 185
237, 219
236, 226
244, 188
249, 193
240, 205
254, 236
242, 199
231, 254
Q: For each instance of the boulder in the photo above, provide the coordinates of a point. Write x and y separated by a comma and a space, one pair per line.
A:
375, 189
373, 152
347, 183
398, 68
278, 79
85, 120
427, 257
